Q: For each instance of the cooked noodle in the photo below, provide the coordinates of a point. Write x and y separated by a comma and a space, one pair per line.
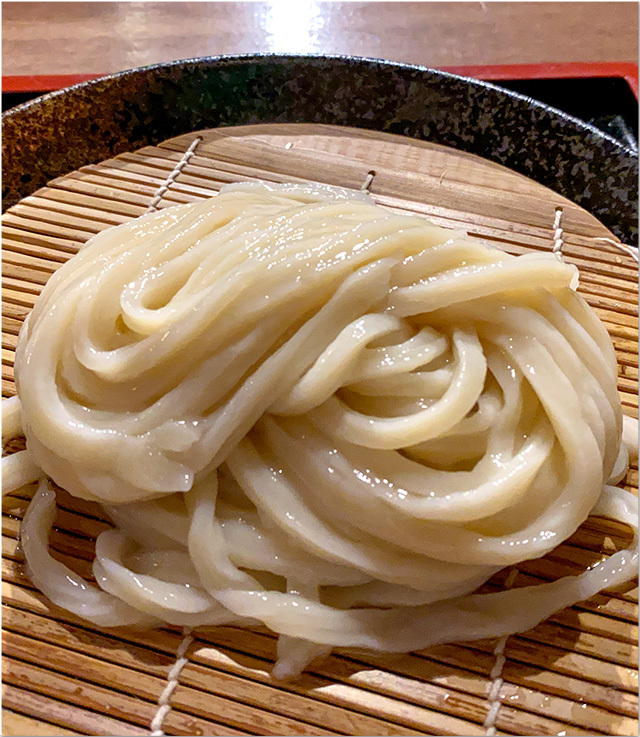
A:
302, 410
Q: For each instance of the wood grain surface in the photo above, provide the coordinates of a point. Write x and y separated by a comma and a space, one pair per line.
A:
575, 674
68, 38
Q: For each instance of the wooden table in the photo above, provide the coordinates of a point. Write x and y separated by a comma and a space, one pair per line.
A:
72, 38
65, 678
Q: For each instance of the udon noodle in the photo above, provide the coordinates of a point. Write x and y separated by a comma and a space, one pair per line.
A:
302, 410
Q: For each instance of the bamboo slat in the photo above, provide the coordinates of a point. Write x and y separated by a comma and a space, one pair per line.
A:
575, 674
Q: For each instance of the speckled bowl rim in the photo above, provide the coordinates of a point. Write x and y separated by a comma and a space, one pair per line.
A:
227, 58
266, 60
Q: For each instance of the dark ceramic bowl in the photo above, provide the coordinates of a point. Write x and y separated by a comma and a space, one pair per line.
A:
60, 132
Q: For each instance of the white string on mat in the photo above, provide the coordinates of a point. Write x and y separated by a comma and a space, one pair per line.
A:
558, 241
629, 250
367, 182
498, 666
164, 702
558, 233
164, 188
496, 672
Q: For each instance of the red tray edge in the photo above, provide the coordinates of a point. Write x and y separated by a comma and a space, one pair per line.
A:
626, 70
562, 70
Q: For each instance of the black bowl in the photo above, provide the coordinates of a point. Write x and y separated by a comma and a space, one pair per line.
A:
84, 124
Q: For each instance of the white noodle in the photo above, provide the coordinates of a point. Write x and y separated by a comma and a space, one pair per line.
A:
11, 418
304, 411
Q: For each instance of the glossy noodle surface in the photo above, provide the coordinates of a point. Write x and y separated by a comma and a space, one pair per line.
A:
302, 410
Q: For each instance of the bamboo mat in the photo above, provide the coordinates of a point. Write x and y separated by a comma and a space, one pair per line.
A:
575, 674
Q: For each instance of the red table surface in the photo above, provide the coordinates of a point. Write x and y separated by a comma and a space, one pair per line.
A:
626, 70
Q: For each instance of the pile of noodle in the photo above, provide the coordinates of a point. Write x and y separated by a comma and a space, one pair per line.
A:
302, 410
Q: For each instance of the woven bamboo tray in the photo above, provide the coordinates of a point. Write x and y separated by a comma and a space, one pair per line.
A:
575, 674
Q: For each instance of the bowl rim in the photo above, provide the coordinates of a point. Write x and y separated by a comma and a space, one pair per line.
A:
539, 137
276, 58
